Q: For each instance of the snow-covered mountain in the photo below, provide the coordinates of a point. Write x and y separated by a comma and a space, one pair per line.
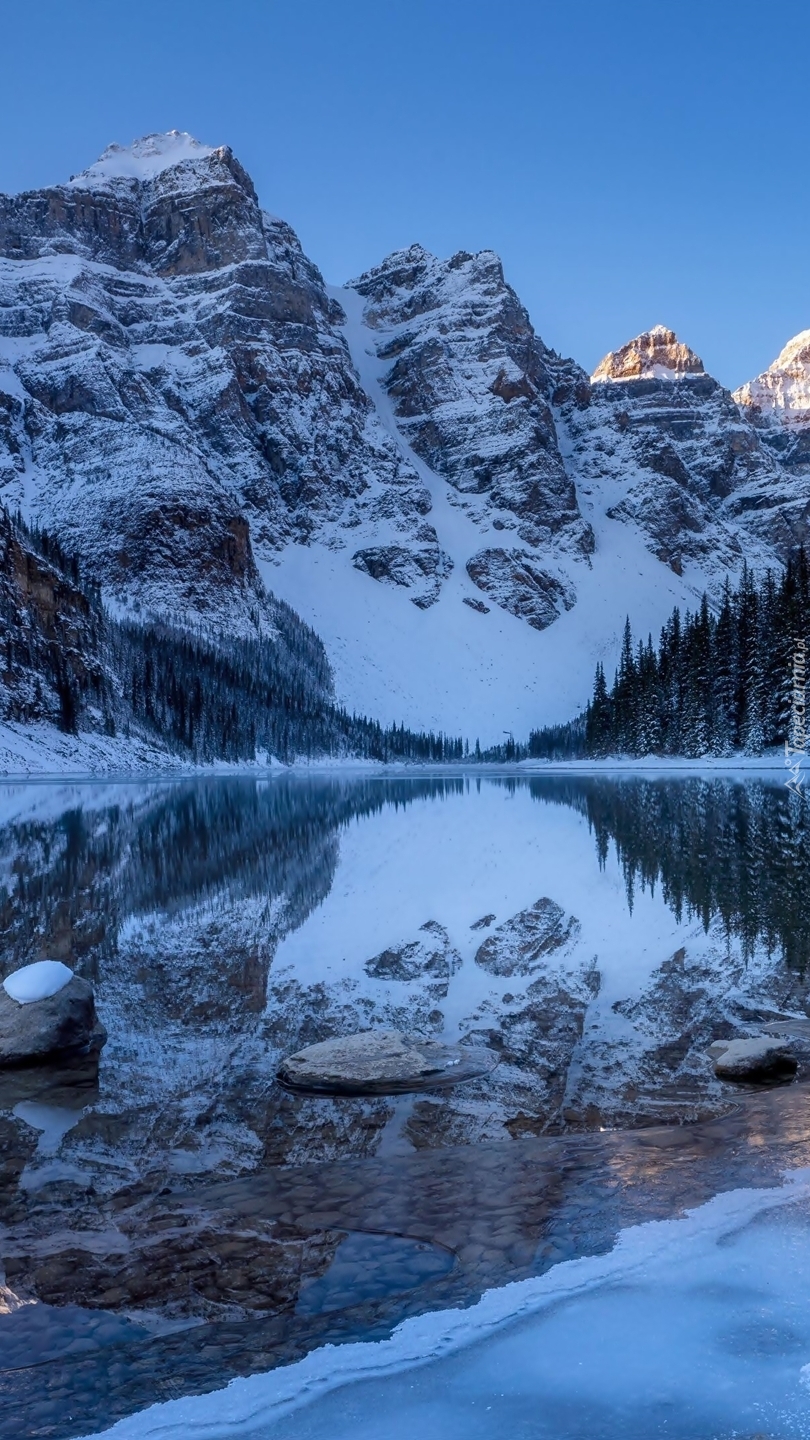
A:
667, 450
778, 401
464, 517
783, 390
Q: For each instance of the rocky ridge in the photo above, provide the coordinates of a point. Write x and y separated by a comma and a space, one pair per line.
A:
191, 411
656, 354
778, 404
661, 446
783, 390
157, 324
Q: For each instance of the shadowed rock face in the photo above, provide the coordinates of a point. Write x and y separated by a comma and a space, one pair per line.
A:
519, 945
175, 384
51, 635
514, 580
421, 569
63, 1023
468, 380
430, 958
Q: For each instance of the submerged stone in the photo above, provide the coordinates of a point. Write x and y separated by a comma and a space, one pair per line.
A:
382, 1062
759, 1058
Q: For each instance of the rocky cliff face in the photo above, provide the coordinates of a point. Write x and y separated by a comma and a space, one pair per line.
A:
783, 390
662, 446
51, 640
656, 354
467, 379
173, 389
778, 403
464, 516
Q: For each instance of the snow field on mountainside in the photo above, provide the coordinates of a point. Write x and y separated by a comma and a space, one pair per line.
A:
450, 667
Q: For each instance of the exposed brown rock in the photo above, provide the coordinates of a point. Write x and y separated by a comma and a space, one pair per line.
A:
657, 353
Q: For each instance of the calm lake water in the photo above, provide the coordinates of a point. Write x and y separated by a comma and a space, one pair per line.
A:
173, 1218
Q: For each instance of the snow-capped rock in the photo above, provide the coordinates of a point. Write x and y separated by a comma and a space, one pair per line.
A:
143, 159
778, 403
173, 391
782, 392
468, 383
62, 1022
656, 354
463, 516
661, 446
756, 1057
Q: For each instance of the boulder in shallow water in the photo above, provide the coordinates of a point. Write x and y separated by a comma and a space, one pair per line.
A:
759, 1058
56, 1017
382, 1062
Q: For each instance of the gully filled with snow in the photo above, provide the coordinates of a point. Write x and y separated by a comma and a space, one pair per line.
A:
597, 1236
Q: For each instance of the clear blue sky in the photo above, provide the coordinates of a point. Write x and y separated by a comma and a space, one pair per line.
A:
632, 163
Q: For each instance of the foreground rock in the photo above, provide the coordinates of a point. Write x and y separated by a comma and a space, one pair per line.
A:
760, 1058
63, 1023
382, 1062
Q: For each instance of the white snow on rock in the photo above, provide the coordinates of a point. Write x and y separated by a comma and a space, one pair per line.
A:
37, 981
214, 362
782, 392
451, 667
752, 1057
143, 159
656, 354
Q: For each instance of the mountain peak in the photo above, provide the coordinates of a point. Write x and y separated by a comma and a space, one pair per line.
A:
144, 158
656, 354
783, 390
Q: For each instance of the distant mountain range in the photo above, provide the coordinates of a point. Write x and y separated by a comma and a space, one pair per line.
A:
462, 516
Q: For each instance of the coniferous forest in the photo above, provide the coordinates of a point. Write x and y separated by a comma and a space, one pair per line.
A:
204, 696
720, 681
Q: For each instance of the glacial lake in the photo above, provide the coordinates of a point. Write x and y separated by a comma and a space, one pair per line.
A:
597, 1239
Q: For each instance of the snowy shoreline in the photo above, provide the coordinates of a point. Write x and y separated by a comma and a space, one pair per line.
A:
135, 762
257, 1403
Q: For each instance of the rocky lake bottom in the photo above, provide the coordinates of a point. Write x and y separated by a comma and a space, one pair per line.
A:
173, 1219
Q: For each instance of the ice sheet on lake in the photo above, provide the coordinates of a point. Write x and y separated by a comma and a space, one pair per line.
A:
694, 1327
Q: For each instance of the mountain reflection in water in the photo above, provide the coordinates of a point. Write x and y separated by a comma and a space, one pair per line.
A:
178, 1208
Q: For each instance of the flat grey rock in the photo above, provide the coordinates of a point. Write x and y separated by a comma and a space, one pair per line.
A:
382, 1062
60, 1024
759, 1058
